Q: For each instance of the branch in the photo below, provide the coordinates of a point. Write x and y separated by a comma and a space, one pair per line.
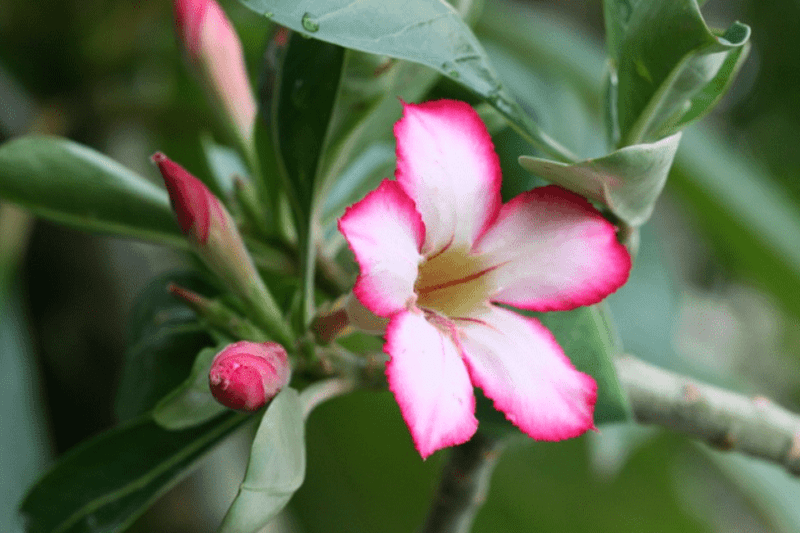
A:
463, 486
725, 419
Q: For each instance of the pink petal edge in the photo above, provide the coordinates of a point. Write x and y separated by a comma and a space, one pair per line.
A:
430, 383
385, 232
447, 164
517, 362
555, 252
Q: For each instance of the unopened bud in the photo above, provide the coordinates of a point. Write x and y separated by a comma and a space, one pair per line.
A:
194, 204
246, 375
215, 51
210, 227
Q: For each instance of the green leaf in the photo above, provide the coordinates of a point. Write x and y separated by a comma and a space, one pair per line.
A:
628, 181
428, 32
667, 67
163, 339
108, 481
26, 440
307, 84
191, 403
276, 468
588, 338
367, 106
74, 185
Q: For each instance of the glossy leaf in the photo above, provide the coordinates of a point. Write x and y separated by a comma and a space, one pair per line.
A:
108, 481
163, 339
307, 84
191, 403
628, 181
428, 32
276, 468
79, 187
667, 67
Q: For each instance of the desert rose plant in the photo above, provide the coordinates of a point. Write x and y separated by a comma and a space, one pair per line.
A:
365, 239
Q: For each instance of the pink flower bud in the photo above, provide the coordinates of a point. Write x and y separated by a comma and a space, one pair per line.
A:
215, 52
193, 203
246, 375
217, 240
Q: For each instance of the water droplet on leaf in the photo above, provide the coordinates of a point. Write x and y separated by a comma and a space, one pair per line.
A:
269, 14
309, 23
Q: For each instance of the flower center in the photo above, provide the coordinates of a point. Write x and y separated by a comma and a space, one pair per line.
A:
453, 283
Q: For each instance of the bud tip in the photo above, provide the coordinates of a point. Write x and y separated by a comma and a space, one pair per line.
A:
191, 200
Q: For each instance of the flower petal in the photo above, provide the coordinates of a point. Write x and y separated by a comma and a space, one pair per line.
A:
385, 232
447, 164
518, 364
552, 252
430, 382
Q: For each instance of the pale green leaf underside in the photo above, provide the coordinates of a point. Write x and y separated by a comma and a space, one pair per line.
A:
190, 404
628, 180
276, 468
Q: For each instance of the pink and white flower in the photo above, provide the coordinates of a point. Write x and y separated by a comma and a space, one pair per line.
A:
438, 250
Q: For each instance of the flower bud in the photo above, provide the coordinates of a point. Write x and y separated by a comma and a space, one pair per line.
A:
191, 200
209, 226
215, 52
246, 375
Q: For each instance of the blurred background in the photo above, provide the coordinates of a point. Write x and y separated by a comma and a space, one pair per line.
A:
715, 292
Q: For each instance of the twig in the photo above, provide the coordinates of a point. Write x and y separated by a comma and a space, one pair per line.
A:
463, 486
726, 420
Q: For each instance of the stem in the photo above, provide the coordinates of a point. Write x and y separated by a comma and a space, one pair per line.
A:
308, 263
727, 420
463, 486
